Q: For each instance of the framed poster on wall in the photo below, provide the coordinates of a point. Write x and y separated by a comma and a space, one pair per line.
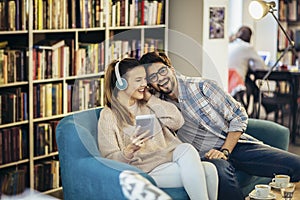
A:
216, 22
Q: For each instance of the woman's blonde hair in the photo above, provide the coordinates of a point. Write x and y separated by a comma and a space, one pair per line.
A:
111, 91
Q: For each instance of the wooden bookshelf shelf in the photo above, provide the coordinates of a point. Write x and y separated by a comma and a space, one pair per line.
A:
13, 164
2, 126
53, 190
45, 156
137, 27
85, 76
13, 32
7, 85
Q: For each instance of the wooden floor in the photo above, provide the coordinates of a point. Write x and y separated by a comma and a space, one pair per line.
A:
294, 148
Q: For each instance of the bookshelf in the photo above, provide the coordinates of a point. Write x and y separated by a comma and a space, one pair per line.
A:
52, 60
289, 17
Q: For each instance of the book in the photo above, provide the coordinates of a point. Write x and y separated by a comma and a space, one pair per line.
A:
48, 99
297, 39
292, 10
1, 66
1, 145
49, 44
3, 44
11, 15
282, 12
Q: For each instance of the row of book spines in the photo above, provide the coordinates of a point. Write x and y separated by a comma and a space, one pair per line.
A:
50, 63
13, 144
136, 12
289, 10
14, 181
13, 15
47, 100
50, 14
85, 94
13, 67
46, 175
64, 61
289, 58
120, 49
282, 41
44, 138
62, 14
89, 13
89, 59
13, 106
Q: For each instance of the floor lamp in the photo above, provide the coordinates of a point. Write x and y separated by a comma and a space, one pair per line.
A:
258, 9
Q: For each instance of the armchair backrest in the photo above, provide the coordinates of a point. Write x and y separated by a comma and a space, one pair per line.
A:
269, 132
84, 143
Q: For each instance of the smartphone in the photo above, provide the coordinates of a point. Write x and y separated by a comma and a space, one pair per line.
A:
146, 123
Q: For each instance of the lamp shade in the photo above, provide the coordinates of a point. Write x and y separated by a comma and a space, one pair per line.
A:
258, 9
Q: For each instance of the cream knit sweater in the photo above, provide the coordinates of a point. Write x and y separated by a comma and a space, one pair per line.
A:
155, 151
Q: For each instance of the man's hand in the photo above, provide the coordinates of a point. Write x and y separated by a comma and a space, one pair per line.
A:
229, 144
215, 154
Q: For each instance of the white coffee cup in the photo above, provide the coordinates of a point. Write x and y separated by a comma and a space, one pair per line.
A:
262, 190
281, 180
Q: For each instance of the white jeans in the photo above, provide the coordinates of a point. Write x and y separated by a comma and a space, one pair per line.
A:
200, 179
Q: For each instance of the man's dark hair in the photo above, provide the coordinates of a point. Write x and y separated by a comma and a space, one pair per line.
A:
244, 33
155, 57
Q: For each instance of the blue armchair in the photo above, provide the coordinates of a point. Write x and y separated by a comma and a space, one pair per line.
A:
87, 175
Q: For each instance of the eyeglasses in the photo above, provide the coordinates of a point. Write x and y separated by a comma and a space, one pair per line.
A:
163, 71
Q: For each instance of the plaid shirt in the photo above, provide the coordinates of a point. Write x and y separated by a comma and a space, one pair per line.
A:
205, 103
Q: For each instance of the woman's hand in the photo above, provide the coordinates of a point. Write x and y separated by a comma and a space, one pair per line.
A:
137, 140
130, 150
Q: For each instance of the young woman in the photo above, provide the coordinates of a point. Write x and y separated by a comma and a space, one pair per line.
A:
162, 155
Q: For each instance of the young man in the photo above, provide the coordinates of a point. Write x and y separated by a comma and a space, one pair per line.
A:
215, 125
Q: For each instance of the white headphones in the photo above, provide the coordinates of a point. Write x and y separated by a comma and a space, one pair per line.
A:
121, 83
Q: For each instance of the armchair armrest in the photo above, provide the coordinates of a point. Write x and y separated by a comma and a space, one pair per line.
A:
269, 132
99, 179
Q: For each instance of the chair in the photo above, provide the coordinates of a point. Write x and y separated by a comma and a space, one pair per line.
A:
272, 101
236, 86
87, 175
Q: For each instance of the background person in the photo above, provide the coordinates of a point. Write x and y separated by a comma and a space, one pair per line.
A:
240, 51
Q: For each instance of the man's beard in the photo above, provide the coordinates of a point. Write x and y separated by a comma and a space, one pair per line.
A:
167, 90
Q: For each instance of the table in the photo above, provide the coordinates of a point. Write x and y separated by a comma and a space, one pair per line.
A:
293, 78
296, 195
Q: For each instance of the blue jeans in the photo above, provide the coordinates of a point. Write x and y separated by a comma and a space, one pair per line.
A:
254, 159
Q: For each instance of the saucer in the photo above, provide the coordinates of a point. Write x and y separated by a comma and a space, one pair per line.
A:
273, 185
253, 196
